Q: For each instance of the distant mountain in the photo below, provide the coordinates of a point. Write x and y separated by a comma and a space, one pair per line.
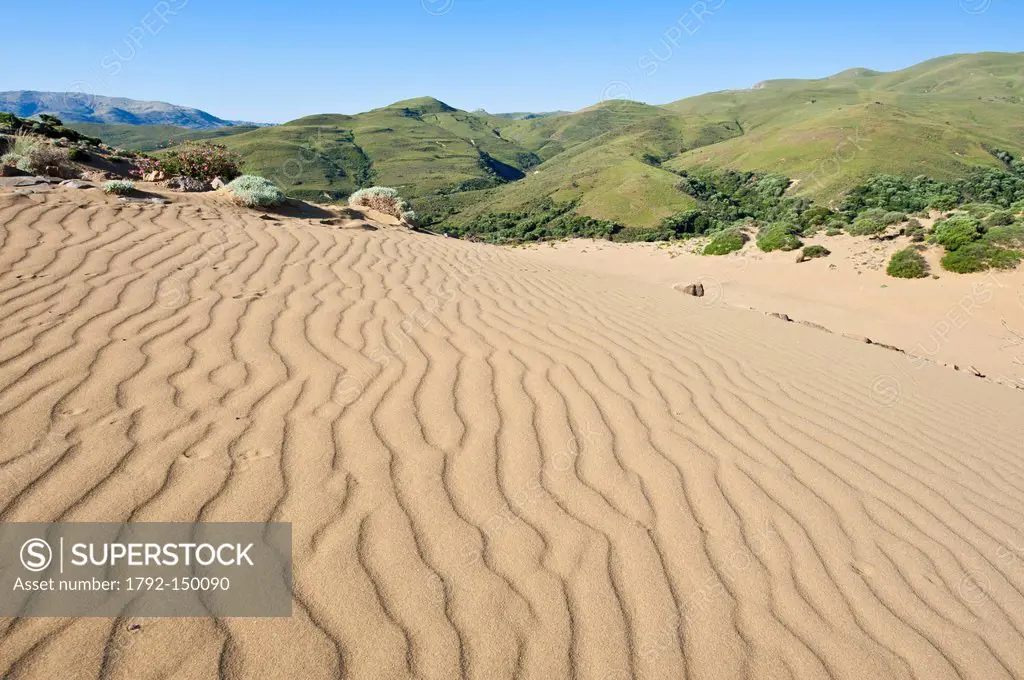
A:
78, 107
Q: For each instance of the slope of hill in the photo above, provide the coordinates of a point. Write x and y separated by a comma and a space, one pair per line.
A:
607, 163
153, 137
620, 160
938, 118
76, 107
418, 145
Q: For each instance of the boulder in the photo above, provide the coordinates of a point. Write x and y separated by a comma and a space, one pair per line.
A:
155, 176
217, 183
694, 289
6, 144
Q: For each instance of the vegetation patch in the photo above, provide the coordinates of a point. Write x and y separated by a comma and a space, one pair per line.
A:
980, 257
813, 253
778, 236
384, 200
908, 264
957, 231
254, 191
725, 242
120, 187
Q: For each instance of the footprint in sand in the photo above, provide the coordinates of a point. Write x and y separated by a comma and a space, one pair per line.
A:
246, 459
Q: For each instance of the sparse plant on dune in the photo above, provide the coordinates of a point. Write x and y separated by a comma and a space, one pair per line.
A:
813, 253
725, 242
778, 236
120, 187
382, 199
254, 191
38, 157
907, 264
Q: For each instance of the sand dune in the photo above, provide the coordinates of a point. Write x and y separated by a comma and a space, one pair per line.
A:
497, 466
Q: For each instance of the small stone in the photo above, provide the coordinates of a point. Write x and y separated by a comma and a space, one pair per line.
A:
694, 289
781, 316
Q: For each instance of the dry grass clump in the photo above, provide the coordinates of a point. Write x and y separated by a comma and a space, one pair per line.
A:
385, 200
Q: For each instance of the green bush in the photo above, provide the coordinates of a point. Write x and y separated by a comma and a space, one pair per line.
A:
778, 236
689, 223
1000, 218
833, 231
893, 217
1010, 236
725, 242
865, 226
907, 264
119, 187
813, 253
957, 231
254, 191
979, 257
77, 155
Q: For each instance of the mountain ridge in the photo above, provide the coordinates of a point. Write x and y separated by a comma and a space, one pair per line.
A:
77, 107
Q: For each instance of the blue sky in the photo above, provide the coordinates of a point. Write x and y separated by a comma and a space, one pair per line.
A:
275, 61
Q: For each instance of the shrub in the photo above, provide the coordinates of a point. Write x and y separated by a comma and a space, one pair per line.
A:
1000, 218
957, 231
77, 155
979, 257
914, 230
893, 217
908, 264
813, 253
833, 231
254, 191
381, 199
199, 160
688, 223
11, 159
778, 236
865, 226
1011, 236
725, 242
36, 158
816, 216
120, 187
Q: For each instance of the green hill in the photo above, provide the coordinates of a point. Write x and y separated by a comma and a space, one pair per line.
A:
938, 118
419, 146
621, 161
153, 137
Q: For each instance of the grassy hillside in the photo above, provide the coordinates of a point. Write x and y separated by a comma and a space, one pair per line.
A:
152, 137
610, 167
938, 118
419, 146
621, 161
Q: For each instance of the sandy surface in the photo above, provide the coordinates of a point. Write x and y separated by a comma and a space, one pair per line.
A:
498, 464
957, 320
